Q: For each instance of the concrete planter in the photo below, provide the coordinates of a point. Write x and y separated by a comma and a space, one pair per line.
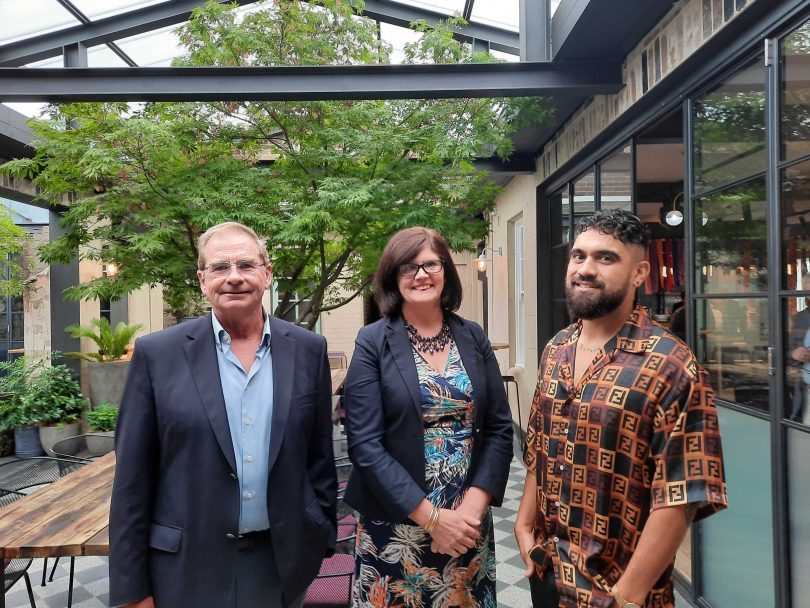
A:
107, 381
49, 435
27, 443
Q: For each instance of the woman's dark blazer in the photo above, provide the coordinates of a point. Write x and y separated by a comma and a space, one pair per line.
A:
384, 419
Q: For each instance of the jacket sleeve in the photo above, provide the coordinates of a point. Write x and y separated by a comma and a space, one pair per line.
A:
320, 457
492, 471
137, 453
391, 484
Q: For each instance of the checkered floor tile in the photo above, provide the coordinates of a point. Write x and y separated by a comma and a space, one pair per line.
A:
91, 585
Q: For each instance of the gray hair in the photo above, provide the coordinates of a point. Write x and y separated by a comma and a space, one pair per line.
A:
206, 236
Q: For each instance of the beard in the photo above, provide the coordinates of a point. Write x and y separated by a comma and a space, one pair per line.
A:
595, 305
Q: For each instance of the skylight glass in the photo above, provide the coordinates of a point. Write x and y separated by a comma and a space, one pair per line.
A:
31, 109
99, 9
153, 49
448, 7
497, 13
397, 37
20, 20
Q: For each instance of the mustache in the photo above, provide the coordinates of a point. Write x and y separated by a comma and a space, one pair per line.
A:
587, 283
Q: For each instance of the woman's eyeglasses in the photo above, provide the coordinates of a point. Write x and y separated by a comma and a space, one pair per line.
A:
430, 267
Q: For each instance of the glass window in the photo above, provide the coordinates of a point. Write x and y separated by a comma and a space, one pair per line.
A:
795, 211
798, 448
560, 221
503, 13
584, 197
32, 18
732, 344
737, 543
730, 251
797, 359
519, 308
99, 9
795, 102
616, 180
729, 130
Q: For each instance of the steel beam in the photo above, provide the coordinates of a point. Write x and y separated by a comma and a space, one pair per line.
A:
170, 13
308, 83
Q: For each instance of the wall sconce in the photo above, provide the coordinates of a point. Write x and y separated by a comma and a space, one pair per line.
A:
481, 260
674, 217
110, 269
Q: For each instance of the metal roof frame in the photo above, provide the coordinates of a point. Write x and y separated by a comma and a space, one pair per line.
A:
106, 31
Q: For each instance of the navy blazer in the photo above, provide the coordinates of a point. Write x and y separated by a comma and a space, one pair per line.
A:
175, 500
384, 419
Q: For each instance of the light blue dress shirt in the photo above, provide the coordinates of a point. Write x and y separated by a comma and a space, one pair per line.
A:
249, 405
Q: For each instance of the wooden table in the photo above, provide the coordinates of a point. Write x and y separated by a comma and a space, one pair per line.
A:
499, 345
338, 376
67, 518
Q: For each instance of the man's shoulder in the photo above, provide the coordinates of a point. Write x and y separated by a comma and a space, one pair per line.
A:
296, 332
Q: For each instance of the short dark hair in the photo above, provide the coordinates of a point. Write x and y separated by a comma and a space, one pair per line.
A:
619, 224
402, 248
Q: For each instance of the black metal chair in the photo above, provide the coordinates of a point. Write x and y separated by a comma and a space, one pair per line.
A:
29, 473
84, 447
332, 588
15, 569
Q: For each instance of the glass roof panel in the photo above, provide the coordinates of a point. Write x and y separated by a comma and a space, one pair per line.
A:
31, 109
448, 7
153, 49
30, 18
99, 9
497, 13
397, 37
102, 56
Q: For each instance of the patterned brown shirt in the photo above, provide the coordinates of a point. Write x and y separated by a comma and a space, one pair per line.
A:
638, 433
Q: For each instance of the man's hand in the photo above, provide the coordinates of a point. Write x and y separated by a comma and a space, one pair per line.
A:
525, 541
147, 602
801, 353
455, 533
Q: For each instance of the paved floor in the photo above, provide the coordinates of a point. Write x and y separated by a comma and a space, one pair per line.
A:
91, 586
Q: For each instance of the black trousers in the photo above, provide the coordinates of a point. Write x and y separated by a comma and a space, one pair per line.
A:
544, 592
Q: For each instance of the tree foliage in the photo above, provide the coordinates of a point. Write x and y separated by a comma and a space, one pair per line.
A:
12, 241
326, 182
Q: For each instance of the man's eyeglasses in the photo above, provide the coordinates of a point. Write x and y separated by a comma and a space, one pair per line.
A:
223, 269
430, 267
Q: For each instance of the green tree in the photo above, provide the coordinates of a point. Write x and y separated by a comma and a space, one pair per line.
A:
12, 240
326, 182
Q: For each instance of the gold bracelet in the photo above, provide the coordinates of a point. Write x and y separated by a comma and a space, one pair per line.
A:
433, 519
620, 599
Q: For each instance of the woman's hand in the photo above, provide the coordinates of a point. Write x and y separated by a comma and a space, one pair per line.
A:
525, 541
455, 533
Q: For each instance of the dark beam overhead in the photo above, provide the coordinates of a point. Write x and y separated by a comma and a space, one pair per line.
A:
170, 13
308, 83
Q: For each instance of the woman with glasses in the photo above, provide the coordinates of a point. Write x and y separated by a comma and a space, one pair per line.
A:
430, 436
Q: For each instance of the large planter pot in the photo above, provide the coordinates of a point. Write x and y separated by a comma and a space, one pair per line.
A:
97, 448
27, 443
49, 435
6, 443
107, 381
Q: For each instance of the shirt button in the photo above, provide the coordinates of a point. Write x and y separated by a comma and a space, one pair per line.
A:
556, 503
248, 458
562, 467
248, 421
556, 539
565, 431
248, 494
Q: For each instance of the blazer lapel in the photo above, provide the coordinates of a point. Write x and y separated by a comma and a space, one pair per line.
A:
202, 359
469, 355
403, 356
282, 350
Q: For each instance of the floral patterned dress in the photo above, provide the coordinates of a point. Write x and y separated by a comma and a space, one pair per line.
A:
395, 566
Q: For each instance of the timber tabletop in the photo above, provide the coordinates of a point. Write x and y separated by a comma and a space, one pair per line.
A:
66, 518
338, 376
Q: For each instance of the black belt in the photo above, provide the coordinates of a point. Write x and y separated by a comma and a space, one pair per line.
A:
251, 540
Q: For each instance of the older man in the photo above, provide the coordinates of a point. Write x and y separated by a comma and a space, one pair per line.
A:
225, 488
623, 447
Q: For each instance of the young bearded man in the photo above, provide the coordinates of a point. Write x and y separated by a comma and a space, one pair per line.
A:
623, 446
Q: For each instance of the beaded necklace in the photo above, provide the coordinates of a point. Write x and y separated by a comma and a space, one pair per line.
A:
430, 344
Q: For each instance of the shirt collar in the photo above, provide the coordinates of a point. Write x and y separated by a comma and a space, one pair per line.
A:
223, 339
633, 337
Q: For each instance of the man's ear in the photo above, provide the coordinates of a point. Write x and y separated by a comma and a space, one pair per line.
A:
641, 272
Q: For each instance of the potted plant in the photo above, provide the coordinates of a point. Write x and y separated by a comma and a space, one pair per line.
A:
15, 415
107, 367
54, 401
101, 420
